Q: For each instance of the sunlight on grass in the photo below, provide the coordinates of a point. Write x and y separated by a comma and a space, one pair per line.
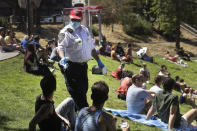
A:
19, 89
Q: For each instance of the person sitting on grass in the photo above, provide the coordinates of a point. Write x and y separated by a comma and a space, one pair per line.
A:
108, 49
166, 105
145, 79
36, 39
47, 117
156, 88
119, 70
163, 72
170, 57
114, 56
31, 62
138, 100
188, 93
11, 41
119, 50
4, 46
144, 68
54, 54
93, 118
128, 54
24, 42
125, 83
187, 97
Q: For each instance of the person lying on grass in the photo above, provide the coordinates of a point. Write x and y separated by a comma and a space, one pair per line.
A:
47, 117
168, 56
166, 105
93, 118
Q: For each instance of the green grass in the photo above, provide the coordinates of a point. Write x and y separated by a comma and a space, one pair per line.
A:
18, 90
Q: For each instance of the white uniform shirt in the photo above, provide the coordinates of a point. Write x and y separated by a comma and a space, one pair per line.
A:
77, 45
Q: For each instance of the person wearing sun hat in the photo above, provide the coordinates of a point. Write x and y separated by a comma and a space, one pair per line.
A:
76, 48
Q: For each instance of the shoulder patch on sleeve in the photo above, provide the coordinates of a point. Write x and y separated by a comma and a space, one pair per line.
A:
61, 37
70, 30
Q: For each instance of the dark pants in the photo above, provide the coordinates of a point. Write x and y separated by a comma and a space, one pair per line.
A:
76, 80
43, 70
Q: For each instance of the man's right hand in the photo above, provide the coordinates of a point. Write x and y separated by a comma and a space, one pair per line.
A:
63, 63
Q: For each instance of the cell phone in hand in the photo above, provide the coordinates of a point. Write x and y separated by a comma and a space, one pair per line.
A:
123, 124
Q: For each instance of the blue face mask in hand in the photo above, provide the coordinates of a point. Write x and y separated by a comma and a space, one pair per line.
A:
75, 24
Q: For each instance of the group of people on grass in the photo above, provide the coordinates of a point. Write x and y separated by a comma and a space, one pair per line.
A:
8, 41
117, 53
73, 50
140, 100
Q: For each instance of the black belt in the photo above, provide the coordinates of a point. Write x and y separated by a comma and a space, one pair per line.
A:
77, 63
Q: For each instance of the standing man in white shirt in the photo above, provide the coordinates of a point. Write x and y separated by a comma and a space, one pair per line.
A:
76, 48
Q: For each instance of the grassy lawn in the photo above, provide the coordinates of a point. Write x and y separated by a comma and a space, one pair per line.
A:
18, 89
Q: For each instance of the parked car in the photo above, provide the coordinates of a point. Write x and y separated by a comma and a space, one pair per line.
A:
46, 20
59, 17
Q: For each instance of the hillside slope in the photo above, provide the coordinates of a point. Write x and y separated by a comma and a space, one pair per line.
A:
156, 44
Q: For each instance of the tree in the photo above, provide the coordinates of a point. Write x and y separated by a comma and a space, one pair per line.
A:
33, 5
170, 14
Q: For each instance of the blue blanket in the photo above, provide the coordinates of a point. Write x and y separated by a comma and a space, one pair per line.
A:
141, 119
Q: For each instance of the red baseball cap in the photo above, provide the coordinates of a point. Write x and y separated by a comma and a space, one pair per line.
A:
76, 14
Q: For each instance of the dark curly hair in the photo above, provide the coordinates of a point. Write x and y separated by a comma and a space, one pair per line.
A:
100, 92
48, 85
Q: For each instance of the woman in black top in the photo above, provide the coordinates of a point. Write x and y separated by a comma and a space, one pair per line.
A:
46, 116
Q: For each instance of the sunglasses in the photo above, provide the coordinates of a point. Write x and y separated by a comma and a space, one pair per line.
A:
76, 20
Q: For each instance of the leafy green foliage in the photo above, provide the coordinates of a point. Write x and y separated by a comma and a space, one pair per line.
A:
5, 23
135, 24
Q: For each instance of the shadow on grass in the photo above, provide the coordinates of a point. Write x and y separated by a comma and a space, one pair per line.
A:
3, 124
13, 129
4, 119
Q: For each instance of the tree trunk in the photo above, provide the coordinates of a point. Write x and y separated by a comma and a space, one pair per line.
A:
37, 17
178, 33
31, 16
112, 27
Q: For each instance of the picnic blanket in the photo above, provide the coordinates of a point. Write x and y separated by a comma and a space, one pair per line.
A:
7, 55
141, 119
180, 63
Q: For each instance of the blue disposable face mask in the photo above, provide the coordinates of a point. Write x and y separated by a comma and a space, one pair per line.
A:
75, 24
